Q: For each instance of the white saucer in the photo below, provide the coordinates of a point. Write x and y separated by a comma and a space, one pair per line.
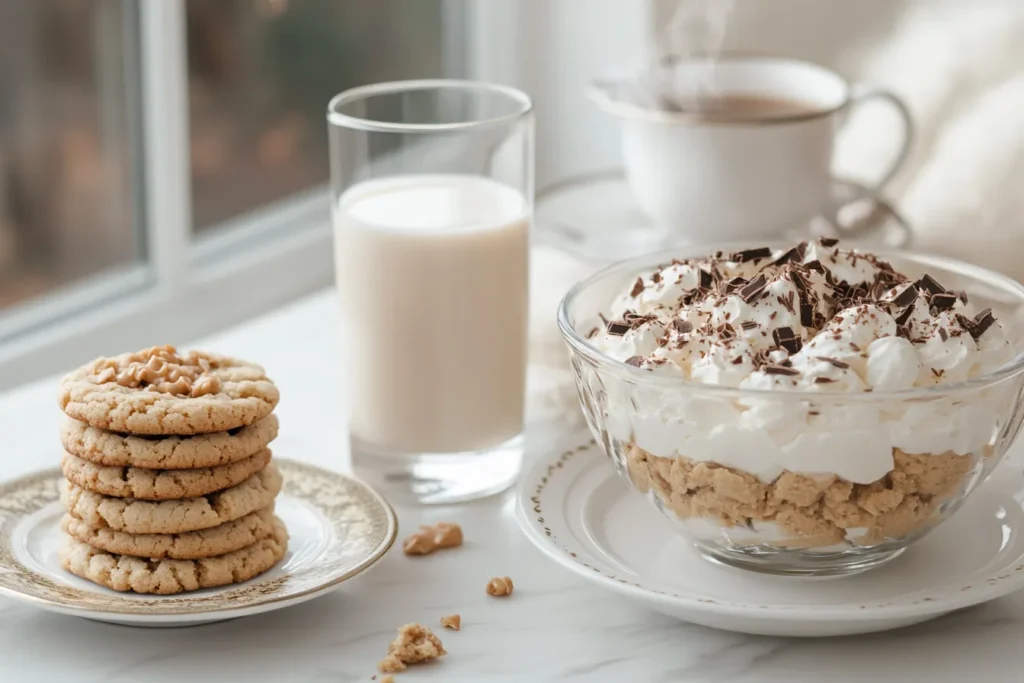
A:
594, 217
578, 512
338, 527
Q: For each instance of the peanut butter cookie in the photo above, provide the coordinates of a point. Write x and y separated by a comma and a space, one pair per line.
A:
166, 577
169, 452
190, 545
174, 516
143, 484
162, 391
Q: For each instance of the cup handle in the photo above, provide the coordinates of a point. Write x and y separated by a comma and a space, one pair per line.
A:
864, 93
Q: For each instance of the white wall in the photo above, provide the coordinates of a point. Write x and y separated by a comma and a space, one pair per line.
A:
559, 46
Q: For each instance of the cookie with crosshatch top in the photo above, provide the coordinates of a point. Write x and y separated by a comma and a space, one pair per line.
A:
161, 391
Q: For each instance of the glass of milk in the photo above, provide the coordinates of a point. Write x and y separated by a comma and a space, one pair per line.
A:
432, 191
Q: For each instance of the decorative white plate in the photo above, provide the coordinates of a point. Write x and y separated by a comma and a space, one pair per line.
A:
338, 526
577, 511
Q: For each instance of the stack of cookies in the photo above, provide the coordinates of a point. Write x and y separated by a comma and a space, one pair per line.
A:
170, 485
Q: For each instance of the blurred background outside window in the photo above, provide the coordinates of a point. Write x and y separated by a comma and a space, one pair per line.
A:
76, 224
260, 75
68, 146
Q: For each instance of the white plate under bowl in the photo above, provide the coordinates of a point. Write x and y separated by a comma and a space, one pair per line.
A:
338, 527
578, 512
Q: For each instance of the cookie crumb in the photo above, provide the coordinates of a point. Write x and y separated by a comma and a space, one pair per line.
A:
430, 538
391, 664
387, 679
414, 644
499, 586
418, 544
447, 535
452, 621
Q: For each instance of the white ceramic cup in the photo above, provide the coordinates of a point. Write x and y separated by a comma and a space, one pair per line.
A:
705, 176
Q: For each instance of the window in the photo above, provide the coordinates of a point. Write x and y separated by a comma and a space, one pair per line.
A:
163, 162
68, 175
260, 75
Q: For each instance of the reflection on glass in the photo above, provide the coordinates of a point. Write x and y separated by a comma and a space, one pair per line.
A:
66, 184
260, 75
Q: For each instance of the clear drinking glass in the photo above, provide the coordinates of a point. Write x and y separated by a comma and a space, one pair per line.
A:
432, 189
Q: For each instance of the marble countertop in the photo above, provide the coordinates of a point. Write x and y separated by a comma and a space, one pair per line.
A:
554, 628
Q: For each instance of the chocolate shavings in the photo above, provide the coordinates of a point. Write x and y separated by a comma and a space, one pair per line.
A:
930, 285
815, 265
618, 328
792, 255
906, 297
750, 254
903, 317
943, 301
982, 322
682, 326
734, 284
635, 320
752, 290
787, 339
726, 332
806, 311
780, 370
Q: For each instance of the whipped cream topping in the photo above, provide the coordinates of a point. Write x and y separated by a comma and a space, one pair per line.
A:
814, 318
776, 319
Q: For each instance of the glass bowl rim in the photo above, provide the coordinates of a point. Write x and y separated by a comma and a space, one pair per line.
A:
640, 376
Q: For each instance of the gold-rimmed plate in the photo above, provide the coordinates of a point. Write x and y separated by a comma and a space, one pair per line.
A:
338, 528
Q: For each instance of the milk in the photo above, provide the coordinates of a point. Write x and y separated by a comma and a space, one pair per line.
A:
432, 272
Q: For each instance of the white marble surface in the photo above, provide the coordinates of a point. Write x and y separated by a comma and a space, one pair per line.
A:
554, 628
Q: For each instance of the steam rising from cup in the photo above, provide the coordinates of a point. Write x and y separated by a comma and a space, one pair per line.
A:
694, 36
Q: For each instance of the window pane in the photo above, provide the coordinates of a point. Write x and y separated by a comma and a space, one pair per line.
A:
261, 73
66, 143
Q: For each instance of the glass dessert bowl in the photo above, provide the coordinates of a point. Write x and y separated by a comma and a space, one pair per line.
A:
799, 409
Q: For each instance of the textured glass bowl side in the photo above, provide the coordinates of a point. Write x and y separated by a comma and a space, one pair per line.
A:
681, 484
655, 431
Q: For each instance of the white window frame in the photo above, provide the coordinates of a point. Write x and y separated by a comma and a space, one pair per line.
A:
188, 287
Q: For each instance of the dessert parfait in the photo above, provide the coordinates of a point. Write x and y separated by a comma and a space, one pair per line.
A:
805, 409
